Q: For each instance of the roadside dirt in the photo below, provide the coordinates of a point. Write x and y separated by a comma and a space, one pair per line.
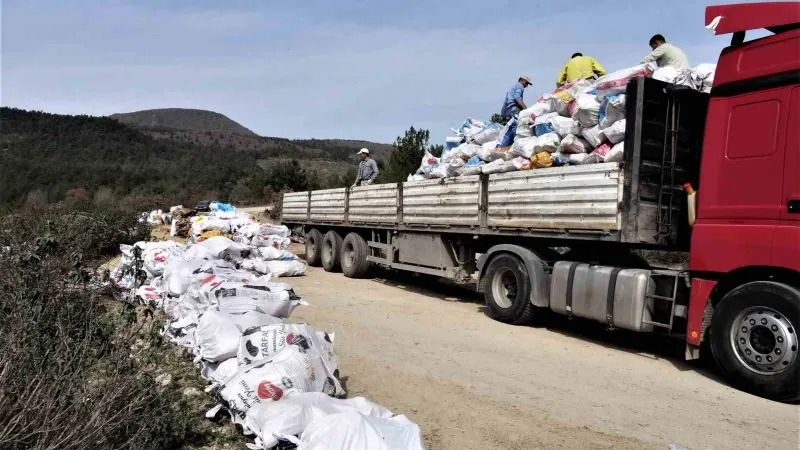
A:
430, 351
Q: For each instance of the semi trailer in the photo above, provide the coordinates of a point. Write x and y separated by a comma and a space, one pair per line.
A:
620, 243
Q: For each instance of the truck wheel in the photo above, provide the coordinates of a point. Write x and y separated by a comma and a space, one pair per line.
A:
507, 290
354, 256
754, 339
314, 248
331, 247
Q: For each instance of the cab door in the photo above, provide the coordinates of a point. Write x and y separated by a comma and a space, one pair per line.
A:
786, 239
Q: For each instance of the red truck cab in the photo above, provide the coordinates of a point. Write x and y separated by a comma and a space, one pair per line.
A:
745, 245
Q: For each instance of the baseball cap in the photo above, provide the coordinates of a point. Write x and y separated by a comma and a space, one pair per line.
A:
363, 151
526, 78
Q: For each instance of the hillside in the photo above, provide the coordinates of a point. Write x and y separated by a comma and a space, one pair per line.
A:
51, 154
210, 128
182, 119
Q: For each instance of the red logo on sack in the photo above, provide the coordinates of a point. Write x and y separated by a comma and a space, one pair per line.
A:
290, 338
207, 279
269, 391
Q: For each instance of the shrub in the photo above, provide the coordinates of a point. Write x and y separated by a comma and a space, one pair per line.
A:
77, 368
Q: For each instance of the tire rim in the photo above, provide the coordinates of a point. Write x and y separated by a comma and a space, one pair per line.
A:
349, 255
504, 287
764, 340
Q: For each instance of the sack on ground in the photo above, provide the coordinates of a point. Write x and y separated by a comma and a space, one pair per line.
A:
353, 431
264, 342
291, 371
218, 333
291, 416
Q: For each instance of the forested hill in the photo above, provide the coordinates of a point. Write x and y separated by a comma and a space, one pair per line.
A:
182, 119
211, 128
50, 154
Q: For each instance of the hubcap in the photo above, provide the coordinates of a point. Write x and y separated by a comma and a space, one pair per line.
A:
504, 287
764, 340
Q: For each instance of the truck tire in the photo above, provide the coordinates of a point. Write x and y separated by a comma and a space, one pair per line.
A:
754, 339
331, 248
314, 248
507, 290
354, 256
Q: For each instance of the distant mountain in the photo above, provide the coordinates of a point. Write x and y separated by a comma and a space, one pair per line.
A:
209, 128
182, 119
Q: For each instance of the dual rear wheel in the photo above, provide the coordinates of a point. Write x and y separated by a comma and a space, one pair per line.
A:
334, 253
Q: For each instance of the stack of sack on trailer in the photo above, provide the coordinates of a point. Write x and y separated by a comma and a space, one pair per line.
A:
580, 123
277, 381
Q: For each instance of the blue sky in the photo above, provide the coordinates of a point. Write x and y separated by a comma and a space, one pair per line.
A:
311, 68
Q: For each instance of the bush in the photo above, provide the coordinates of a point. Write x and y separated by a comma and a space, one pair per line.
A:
77, 367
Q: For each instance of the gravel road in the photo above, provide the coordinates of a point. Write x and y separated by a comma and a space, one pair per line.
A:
431, 352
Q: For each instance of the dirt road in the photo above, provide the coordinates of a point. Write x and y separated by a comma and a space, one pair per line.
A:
431, 352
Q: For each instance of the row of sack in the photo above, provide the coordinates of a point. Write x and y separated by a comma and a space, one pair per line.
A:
275, 380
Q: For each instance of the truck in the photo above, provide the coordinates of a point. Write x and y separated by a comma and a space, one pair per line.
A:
613, 242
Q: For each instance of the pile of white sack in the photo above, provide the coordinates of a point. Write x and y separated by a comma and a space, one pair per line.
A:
580, 123
278, 381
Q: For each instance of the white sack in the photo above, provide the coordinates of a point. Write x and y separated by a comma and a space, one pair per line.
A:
546, 143
498, 166
587, 110
218, 333
219, 372
353, 431
545, 118
272, 253
275, 299
538, 109
578, 158
612, 110
666, 74
616, 82
592, 136
616, 153
523, 146
290, 371
615, 133
290, 416
565, 125
275, 241
573, 144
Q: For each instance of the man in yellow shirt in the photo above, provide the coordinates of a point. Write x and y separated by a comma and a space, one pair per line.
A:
578, 67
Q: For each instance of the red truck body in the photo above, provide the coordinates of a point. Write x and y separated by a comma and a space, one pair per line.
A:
748, 218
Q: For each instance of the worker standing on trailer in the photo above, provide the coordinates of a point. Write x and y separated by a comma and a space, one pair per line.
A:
513, 102
367, 169
665, 54
578, 67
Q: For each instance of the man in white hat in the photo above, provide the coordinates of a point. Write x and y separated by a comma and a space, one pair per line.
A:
367, 169
513, 102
